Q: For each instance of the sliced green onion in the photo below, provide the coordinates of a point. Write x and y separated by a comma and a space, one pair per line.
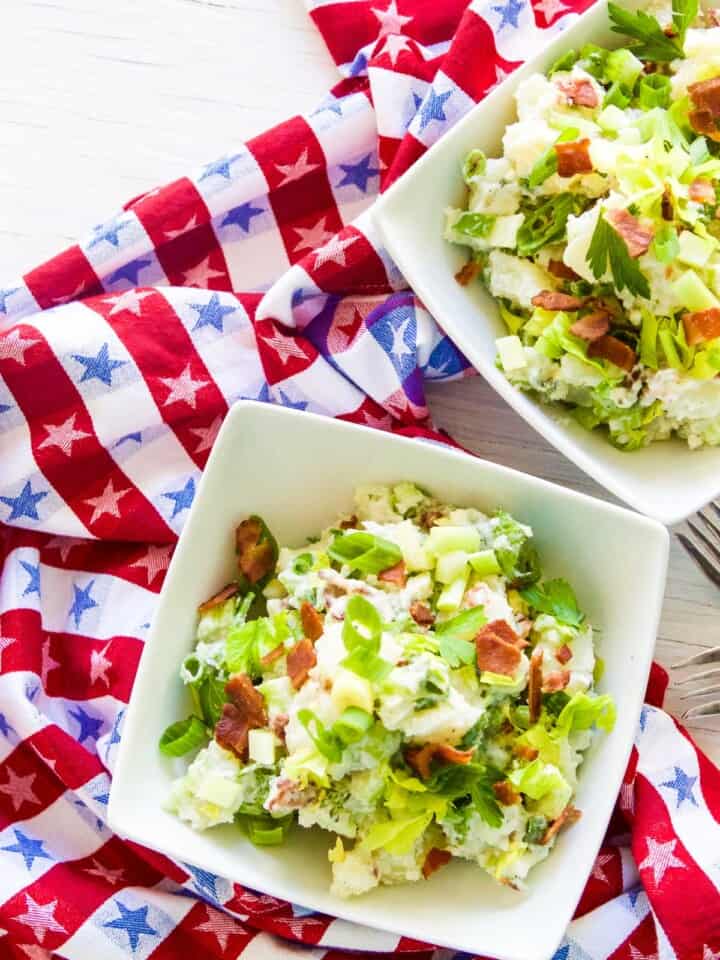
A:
362, 625
182, 737
302, 563
618, 96
353, 724
324, 740
648, 340
367, 664
665, 244
566, 62
545, 224
364, 552
474, 165
242, 612
474, 225
699, 152
593, 60
546, 165
654, 91
669, 349
266, 831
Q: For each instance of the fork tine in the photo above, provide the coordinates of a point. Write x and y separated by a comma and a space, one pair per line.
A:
702, 561
703, 538
709, 524
713, 506
703, 710
707, 656
703, 675
702, 692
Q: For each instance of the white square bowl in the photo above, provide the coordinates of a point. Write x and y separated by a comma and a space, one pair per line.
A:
666, 480
299, 471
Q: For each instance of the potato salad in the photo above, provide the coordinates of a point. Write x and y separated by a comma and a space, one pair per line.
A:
406, 681
598, 230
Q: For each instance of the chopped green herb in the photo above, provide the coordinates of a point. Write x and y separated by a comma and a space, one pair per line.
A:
607, 245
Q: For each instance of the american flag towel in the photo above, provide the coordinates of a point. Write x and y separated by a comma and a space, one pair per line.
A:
257, 276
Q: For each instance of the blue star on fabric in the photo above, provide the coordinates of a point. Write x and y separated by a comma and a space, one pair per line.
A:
32, 689
203, 881
133, 922
293, 404
109, 232
359, 65
211, 314
220, 167
359, 173
241, 216
264, 395
444, 361
509, 13
90, 727
130, 272
115, 732
25, 503
332, 105
5, 727
644, 714
99, 367
182, 499
433, 107
82, 601
683, 785
137, 437
4, 407
562, 953
5, 295
417, 100
28, 848
33, 571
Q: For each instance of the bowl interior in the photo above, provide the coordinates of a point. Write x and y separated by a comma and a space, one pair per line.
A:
666, 480
299, 471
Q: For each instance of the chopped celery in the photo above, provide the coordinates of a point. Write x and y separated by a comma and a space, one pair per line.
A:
450, 566
622, 66
692, 292
451, 597
693, 250
512, 321
654, 91
665, 244
447, 539
485, 563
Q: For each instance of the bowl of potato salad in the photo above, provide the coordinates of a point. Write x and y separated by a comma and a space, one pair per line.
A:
391, 682
587, 226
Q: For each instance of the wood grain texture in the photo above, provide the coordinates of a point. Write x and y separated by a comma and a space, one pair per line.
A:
99, 102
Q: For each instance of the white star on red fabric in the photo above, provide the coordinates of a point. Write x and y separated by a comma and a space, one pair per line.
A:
199, 275
183, 389
155, 561
293, 171
207, 435
35, 952
130, 300
59, 301
312, 237
636, 954
63, 545
390, 20
500, 75
394, 45
19, 789
334, 250
218, 924
627, 797
105, 873
13, 346
4, 644
47, 663
190, 225
709, 954
381, 423
597, 870
40, 917
99, 665
549, 8
660, 858
107, 502
285, 347
63, 436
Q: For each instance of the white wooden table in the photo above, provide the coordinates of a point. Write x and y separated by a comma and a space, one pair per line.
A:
100, 101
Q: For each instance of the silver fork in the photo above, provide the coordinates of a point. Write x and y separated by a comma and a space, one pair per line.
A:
705, 551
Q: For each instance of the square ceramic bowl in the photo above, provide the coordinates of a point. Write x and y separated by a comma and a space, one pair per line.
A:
298, 471
667, 480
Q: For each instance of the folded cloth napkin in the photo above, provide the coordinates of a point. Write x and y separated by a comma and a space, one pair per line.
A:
118, 361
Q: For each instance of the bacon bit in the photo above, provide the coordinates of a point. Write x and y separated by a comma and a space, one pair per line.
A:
524, 628
468, 273
702, 191
506, 793
349, 524
701, 326
569, 816
557, 680
713, 17
434, 860
420, 758
535, 685
526, 752
247, 698
573, 158
278, 724
498, 648
554, 300
428, 518
245, 713
274, 655
395, 574
421, 613
312, 623
666, 204
637, 237
564, 654
255, 559
231, 731
220, 597
614, 350
560, 270
300, 661
592, 326
705, 97
579, 91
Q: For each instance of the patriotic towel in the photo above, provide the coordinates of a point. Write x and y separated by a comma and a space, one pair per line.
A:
257, 276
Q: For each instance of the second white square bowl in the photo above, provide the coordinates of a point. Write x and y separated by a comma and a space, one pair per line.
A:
666, 480
299, 472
